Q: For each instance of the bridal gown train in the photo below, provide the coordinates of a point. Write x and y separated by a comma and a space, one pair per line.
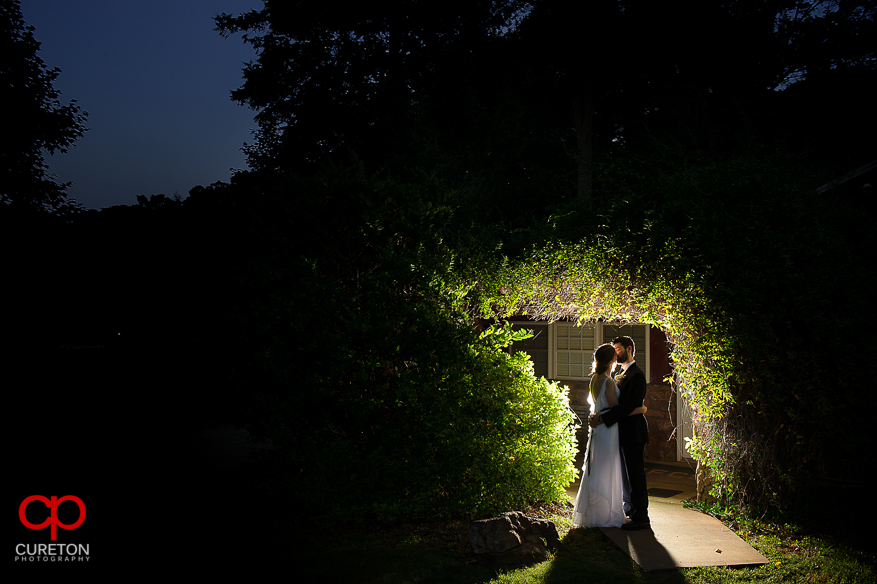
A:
599, 502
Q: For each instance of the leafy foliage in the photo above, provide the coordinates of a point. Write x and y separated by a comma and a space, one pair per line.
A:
330, 76
351, 298
739, 261
693, 152
365, 369
41, 122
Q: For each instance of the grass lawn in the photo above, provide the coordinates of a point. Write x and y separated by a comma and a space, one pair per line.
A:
440, 553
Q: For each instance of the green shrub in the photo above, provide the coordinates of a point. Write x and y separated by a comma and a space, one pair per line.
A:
365, 369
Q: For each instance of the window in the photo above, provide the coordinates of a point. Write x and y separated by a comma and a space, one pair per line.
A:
537, 347
575, 349
563, 350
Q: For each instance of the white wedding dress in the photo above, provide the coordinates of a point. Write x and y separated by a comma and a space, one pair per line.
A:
599, 502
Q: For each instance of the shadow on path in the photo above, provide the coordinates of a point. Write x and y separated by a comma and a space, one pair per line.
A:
575, 561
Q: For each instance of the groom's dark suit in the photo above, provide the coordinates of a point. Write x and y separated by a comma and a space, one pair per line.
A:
633, 435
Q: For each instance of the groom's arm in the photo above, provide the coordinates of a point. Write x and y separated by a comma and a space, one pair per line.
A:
631, 398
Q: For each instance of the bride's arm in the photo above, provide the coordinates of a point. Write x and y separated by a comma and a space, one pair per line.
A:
640, 410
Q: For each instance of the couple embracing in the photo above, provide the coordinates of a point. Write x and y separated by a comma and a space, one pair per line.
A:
613, 477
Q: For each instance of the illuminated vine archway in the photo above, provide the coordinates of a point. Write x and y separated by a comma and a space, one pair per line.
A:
567, 282
738, 298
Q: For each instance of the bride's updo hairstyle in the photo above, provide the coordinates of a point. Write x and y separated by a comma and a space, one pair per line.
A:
603, 357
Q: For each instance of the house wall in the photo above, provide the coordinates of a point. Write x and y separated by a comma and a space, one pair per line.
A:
661, 401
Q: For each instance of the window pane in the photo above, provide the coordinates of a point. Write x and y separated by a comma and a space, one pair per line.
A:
536, 347
575, 349
541, 340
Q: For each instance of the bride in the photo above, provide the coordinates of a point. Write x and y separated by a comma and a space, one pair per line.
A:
599, 502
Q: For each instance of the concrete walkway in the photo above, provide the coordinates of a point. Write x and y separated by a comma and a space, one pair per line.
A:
679, 538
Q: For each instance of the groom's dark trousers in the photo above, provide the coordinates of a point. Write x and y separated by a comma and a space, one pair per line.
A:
633, 435
633, 477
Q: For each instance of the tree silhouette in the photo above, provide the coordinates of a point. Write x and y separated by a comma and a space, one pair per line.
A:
330, 74
503, 94
40, 122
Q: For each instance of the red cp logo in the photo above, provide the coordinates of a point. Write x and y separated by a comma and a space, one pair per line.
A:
52, 506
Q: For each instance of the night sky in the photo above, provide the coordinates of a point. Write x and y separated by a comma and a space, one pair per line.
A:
155, 79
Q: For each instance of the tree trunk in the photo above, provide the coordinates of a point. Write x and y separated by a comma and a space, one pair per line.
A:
583, 113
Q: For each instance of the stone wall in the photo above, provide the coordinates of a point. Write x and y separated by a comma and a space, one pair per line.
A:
661, 401
578, 397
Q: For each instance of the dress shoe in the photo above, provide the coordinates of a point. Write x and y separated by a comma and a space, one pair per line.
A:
634, 525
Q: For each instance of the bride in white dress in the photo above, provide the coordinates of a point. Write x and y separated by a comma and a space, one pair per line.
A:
599, 503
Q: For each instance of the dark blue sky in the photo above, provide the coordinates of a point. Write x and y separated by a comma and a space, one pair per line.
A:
155, 79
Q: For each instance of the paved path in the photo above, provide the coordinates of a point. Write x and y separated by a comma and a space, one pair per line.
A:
679, 538
683, 538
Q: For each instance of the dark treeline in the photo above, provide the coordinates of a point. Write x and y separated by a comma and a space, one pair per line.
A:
571, 103
404, 150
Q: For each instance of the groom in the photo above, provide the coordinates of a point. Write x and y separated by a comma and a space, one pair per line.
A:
633, 434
